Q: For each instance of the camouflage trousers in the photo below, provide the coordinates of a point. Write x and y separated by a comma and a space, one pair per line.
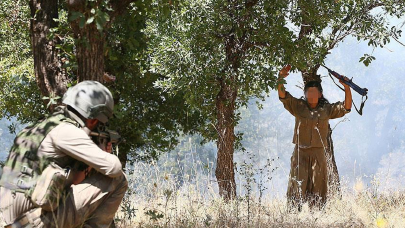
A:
92, 203
308, 178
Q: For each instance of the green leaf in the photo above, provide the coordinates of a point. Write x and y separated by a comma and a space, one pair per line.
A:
90, 20
82, 22
166, 11
99, 24
101, 19
75, 15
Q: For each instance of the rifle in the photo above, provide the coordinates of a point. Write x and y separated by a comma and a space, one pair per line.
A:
350, 83
362, 91
101, 135
109, 135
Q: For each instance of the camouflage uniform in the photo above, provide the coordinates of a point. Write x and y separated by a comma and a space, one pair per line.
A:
62, 140
308, 175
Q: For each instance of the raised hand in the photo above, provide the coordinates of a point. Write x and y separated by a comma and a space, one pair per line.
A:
346, 79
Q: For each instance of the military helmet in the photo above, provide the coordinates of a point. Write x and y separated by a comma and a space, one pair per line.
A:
91, 99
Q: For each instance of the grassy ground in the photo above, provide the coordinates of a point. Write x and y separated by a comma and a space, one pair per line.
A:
351, 211
156, 200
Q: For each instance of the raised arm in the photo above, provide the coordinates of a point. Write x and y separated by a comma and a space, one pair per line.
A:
340, 109
283, 74
348, 95
290, 103
75, 143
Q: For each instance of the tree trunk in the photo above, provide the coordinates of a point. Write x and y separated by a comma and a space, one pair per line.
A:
90, 53
311, 75
50, 76
91, 41
90, 44
89, 47
333, 174
225, 173
225, 109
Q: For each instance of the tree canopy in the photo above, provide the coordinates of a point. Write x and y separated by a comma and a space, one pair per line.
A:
190, 48
175, 66
19, 95
147, 117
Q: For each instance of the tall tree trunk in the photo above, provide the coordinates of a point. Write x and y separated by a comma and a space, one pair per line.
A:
225, 108
89, 46
309, 73
333, 174
50, 76
91, 41
90, 54
225, 173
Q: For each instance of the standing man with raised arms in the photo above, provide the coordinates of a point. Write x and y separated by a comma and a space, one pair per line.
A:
308, 175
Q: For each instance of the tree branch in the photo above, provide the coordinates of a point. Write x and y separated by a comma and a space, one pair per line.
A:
335, 39
250, 3
119, 7
398, 41
75, 4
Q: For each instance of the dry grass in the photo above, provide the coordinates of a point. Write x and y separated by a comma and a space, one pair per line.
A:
156, 199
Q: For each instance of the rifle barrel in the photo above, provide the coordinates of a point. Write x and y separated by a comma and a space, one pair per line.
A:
358, 89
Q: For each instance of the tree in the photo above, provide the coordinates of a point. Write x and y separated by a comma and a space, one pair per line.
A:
89, 23
17, 80
61, 55
322, 25
220, 54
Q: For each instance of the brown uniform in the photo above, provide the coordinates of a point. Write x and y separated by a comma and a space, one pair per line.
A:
91, 203
308, 175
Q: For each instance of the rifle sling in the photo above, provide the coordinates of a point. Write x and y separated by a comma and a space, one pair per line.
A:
363, 102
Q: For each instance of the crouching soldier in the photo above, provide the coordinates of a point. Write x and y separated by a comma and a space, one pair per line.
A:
36, 184
308, 175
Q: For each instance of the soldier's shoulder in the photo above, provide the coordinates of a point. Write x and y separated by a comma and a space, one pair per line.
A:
328, 105
64, 134
66, 125
65, 128
302, 101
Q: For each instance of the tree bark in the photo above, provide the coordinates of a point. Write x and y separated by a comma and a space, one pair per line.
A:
225, 108
91, 41
89, 46
311, 74
225, 173
90, 53
333, 174
50, 76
